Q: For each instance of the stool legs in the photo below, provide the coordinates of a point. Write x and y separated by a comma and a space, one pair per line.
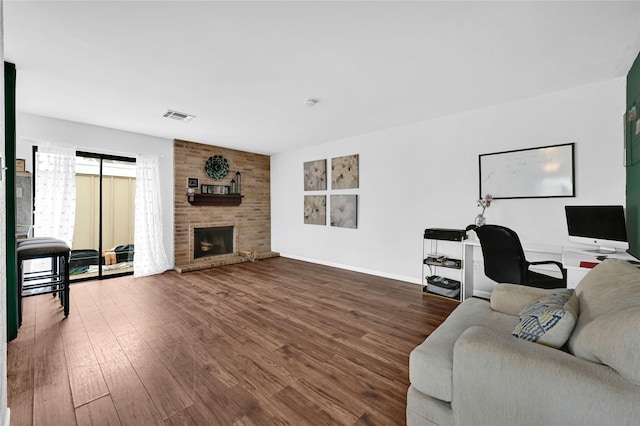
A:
19, 293
55, 281
67, 300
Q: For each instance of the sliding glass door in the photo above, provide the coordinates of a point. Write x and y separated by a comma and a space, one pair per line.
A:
105, 205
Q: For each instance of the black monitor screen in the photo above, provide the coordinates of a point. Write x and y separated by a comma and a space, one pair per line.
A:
602, 222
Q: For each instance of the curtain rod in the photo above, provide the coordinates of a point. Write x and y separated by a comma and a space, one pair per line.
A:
87, 149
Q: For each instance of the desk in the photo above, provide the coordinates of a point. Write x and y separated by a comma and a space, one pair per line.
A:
571, 258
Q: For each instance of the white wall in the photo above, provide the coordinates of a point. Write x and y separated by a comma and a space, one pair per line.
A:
85, 137
426, 175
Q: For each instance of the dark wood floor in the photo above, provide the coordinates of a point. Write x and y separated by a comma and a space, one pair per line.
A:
272, 342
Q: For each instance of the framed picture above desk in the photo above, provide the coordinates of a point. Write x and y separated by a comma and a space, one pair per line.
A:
542, 172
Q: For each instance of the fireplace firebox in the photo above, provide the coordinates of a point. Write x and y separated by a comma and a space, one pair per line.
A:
212, 241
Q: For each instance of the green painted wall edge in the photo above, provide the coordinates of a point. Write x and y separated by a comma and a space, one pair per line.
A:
633, 171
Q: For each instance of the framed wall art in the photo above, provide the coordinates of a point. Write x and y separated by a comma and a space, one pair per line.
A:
315, 209
344, 211
193, 182
345, 172
315, 175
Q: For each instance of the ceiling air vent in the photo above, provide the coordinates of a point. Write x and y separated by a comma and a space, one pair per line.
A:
180, 116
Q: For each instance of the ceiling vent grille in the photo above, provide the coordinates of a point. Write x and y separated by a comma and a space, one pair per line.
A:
180, 116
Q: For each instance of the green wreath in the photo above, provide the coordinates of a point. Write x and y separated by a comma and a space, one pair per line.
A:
217, 167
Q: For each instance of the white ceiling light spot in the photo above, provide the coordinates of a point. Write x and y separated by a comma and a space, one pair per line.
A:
310, 102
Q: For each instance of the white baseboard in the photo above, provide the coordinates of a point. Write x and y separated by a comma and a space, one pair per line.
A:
408, 279
7, 419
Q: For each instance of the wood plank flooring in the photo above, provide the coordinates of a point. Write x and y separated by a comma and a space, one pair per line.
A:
275, 342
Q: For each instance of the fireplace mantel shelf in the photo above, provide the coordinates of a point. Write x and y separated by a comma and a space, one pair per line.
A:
214, 199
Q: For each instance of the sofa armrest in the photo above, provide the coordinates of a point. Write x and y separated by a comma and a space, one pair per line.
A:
501, 380
511, 298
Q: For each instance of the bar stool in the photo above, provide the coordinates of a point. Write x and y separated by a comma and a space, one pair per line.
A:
54, 280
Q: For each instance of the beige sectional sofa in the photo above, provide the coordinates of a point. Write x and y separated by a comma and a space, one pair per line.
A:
472, 371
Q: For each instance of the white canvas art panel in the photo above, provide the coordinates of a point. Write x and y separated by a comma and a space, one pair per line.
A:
344, 211
315, 209
315, 175
345, 172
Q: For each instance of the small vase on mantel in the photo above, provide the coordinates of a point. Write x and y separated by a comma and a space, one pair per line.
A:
480, 220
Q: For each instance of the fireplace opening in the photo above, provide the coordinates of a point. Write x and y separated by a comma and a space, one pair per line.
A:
212, 241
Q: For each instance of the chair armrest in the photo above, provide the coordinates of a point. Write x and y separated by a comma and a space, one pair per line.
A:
563, 270
501, 380
511, 298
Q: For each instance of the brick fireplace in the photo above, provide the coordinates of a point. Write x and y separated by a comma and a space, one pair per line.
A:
250, 222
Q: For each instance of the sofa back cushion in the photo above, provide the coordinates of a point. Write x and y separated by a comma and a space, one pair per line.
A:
608, 327
510, 299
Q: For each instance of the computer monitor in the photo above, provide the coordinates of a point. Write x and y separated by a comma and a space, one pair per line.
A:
602, 226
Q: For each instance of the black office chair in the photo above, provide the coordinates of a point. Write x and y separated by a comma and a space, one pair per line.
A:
504, 259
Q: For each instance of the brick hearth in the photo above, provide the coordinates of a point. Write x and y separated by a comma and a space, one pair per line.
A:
252, 218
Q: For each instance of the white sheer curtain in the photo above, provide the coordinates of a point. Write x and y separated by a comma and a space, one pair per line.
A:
150, 255
55, 192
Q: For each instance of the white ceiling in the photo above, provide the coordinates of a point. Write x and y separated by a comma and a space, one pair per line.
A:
244, 68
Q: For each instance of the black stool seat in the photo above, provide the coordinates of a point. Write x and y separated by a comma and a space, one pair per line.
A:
35, 250
54, 280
